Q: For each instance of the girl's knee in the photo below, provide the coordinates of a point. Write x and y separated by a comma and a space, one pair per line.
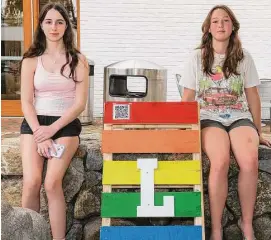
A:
52, 186
32, 185
249, 164
220, 164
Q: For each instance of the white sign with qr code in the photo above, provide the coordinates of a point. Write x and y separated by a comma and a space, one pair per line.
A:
121, 111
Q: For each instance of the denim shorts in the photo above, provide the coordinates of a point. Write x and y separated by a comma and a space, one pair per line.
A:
72, 129
238, 123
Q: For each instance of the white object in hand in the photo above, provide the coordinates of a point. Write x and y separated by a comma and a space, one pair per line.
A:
59, 149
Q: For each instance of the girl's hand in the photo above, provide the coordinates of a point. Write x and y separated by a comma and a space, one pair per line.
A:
43, 148
265, 142
43, 133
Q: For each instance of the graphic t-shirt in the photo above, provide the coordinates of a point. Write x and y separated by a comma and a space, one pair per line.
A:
221, 99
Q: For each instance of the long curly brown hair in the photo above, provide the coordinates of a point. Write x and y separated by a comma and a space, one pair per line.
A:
234, 52
38, 46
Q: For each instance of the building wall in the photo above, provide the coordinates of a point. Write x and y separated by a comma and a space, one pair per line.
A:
164, 32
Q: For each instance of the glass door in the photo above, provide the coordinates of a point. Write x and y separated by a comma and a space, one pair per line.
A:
16, 34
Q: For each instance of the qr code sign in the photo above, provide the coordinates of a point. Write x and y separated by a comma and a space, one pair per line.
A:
121, 111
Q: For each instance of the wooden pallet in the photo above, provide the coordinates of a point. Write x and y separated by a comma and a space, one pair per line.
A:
160, 127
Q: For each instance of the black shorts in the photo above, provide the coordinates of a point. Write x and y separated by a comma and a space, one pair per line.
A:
238, 123
72, 129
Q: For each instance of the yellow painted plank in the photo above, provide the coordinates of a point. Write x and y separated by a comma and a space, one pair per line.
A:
168, 172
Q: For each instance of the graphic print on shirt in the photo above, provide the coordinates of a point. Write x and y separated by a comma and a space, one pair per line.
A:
220, 95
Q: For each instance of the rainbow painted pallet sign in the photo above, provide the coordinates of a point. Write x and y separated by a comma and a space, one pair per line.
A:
152, 127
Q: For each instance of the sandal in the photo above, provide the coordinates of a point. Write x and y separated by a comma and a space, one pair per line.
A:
239, 224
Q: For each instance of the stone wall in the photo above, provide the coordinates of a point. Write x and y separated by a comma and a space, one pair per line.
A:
82, 188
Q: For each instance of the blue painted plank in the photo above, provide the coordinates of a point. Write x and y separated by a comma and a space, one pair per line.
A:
151, 233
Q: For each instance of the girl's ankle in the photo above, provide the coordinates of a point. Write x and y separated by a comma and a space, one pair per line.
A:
216, 229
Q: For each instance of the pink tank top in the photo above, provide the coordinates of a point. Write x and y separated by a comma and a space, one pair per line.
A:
53, 93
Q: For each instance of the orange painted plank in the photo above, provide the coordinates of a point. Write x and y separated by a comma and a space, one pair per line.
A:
150, 141
151, 112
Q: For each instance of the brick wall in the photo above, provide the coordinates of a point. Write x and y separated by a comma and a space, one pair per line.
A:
164, 32
265, 93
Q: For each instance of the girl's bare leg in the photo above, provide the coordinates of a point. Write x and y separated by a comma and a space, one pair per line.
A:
32, 173
245, 144
216, 145
56, 169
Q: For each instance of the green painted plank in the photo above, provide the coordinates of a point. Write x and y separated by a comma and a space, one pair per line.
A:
187, 204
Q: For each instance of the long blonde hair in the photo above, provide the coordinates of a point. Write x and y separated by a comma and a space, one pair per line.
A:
234, 52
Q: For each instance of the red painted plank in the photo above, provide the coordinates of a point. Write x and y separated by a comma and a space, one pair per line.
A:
151, 112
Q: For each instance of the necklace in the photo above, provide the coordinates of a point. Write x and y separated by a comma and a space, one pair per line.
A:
53, 61
55, 58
